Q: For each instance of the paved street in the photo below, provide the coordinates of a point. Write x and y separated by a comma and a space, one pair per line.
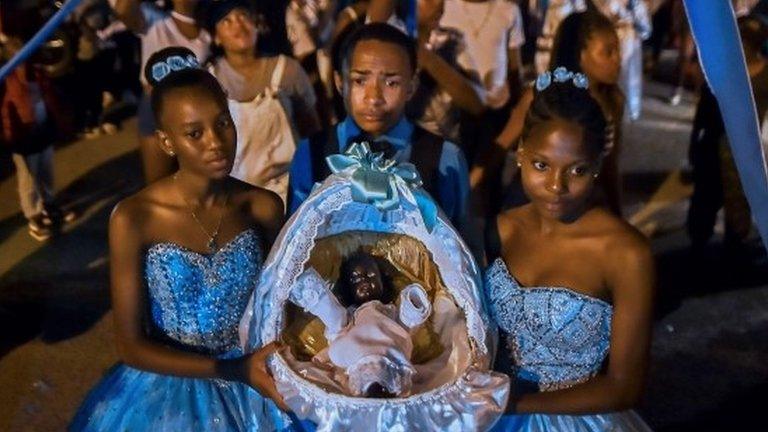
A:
710, 352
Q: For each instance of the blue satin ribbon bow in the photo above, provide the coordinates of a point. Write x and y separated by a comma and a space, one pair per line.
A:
383, 182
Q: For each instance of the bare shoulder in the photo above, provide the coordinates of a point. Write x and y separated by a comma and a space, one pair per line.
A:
293, 70
129, 213
511, 223
290, 63
622, 245
133, 212
264, 205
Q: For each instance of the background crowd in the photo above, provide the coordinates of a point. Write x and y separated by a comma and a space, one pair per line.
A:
279, 61
475, 59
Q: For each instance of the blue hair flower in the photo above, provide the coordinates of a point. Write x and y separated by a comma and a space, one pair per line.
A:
562, 74
543, 80
161, 69
580, 80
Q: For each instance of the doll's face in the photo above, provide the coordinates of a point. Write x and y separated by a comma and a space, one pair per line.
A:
364, 280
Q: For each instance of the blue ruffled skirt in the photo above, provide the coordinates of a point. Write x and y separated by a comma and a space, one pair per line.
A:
624, 421
129, 399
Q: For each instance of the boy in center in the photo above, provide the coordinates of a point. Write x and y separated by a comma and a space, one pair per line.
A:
377, 81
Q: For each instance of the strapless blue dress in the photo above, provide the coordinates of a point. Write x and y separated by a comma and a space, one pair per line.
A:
195, 303
552, 338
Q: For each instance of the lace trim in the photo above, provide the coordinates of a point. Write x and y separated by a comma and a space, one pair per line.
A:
562, 385
473, 402
288, 270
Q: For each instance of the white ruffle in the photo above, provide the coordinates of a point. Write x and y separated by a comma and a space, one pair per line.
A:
471, 403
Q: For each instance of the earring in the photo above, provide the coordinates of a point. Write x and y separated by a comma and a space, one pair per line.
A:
595, 175
171, 153
519, 164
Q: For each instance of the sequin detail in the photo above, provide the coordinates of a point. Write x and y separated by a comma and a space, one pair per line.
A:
555, 336
196, 299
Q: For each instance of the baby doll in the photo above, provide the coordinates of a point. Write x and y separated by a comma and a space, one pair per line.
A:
370, 340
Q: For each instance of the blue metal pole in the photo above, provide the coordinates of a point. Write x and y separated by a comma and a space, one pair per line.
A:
40, 37
713, 25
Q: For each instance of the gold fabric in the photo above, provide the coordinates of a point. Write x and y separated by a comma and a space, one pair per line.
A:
402, 260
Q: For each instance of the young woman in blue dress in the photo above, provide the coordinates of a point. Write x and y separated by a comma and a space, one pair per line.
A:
575, 318
185, 254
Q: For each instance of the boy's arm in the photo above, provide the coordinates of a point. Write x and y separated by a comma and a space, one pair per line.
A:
300, 178
463, 93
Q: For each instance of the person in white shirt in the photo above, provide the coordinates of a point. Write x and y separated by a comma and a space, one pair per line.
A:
493, 32
271, 99
493, 35
632, 22
633, 25
157, 30
450, 93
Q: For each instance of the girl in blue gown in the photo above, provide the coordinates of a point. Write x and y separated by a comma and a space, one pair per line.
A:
185, 254
570, 285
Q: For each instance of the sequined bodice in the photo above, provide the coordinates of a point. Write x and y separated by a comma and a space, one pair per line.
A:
555, 337
197, 300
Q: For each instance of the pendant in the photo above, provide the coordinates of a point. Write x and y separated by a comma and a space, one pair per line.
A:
212, 246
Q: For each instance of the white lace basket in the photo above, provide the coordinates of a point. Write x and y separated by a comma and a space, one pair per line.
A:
468, 396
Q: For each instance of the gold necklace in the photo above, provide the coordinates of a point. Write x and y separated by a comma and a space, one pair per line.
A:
211, 245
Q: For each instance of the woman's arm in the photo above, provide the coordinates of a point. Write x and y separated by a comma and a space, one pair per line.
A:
381, 10
514, 72
490, 161
463, 94
631, 275
129, 303
346, 17
268, 210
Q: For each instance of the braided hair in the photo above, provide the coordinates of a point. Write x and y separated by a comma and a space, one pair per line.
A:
184, 73
566, 102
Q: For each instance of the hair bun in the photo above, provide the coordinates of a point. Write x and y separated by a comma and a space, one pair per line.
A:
167, 61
